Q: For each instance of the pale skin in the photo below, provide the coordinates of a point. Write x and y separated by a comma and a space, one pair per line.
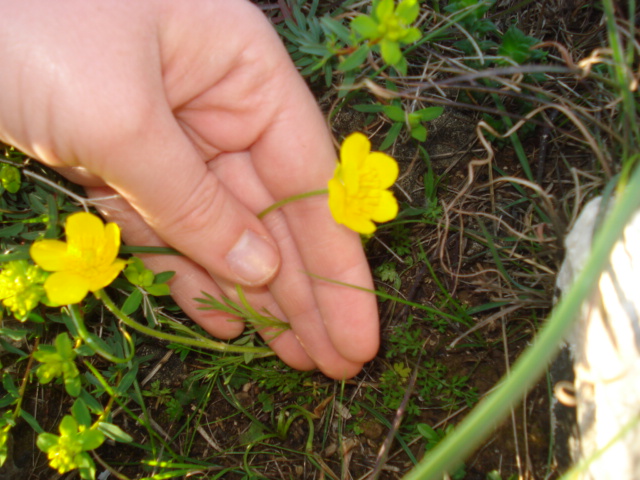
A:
193, 113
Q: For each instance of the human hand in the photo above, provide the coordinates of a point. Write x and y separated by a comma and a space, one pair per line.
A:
194, 114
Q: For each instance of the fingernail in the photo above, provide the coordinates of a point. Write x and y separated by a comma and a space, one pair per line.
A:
253, 259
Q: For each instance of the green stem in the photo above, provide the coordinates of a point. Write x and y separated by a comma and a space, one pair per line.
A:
386, 296
133, 249
532, 363
198, 341
25, 381
94, 342
290, 199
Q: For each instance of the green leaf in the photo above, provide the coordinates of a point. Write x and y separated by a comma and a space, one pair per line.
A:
10, 386
64, 347
412, 35
146, 278
137, 273
366, 27
127, 381
484, 26
37, 205
132, 303
430, 113
91, 439
413, 119
402, 66
72, 384
46, 441
53, 228
473, 11
114, 432
428, 432
4, 446
59, 361
11, 231
334, 26
390, 51
354, 60
164, 277
383, 9
14, 335
30, 419
68, 426
408, 11
158, 289
7, 400
10, 178
86, 467
347, 84
81, 413
91, 402
394, 112
85, 350
517, 45
419, 132
393, 133
10, 348
368, 108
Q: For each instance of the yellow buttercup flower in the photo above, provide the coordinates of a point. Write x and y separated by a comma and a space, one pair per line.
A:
358, 191
86, 262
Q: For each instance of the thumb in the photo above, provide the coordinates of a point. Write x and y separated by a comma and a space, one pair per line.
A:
165, 179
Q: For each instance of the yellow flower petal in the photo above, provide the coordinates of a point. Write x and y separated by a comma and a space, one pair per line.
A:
385, 166
360, 224
105, 275
336, 200
66, 288
354, 150
84, 231
387, 208
111, 244
50, 255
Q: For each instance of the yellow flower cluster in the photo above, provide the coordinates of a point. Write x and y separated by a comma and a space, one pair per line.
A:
21, 287
358, 191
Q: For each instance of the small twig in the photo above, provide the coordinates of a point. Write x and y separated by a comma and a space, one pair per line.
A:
108, 467
390, 250
210, 441
157, 367
544, 145
383, 453
85, 202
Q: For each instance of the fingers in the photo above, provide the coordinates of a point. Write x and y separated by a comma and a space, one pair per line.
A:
291, 292
293, 156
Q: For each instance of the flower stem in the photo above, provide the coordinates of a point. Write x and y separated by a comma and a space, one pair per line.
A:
93, 342
23, 385
290, 199
197, 340
143, 249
